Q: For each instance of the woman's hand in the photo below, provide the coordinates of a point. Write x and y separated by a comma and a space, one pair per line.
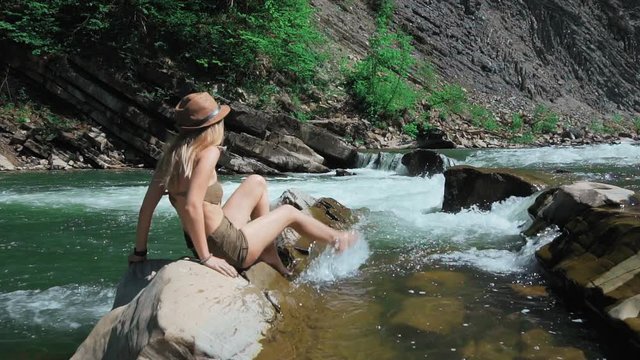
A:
133, 258
221, 266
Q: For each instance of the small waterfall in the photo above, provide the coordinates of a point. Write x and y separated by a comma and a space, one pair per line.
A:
382, 161
392, 161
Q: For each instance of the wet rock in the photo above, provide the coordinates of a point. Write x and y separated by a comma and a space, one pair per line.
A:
343, 172
530, 290
467, 186
439, 315
538, 344
326, 210
595, 262
558, 206
423, 163
437, 282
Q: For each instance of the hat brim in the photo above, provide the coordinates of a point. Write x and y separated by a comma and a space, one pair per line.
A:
224, 111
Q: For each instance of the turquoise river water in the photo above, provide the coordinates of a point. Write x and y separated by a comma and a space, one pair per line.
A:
65, 236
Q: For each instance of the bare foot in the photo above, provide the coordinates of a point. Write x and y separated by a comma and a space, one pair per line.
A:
345, 240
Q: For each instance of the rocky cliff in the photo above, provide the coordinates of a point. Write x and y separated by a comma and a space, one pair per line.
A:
579, 57
582, 56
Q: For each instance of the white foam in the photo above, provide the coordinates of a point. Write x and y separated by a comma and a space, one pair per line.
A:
499, 261
621, 154
60, 307
331, 266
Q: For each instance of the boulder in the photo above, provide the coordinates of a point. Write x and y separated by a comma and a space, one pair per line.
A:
295, 145
336, 152
595, 262
246, 119
327, 210
5, 164
433, 138
467, 186
559, 205
271, 154
55, 163
186, 311
236, 164
423, 163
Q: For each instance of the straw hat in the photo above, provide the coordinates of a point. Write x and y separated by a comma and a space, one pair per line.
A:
199, 110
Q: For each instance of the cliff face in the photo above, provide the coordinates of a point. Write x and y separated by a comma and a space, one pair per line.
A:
581, 55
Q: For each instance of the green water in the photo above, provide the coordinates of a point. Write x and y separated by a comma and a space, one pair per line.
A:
65, 236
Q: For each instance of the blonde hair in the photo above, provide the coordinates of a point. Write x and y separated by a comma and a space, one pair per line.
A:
180, 155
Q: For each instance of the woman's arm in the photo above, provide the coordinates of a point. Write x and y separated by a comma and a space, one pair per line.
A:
149, 204
193, 219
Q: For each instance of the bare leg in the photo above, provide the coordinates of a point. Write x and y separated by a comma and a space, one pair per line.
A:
262, 231
251, 201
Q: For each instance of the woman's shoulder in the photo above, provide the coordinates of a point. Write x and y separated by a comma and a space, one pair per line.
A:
210, 152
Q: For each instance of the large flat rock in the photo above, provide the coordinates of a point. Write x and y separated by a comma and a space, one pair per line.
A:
186, 311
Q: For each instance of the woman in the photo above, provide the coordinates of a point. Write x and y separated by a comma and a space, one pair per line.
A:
225, 238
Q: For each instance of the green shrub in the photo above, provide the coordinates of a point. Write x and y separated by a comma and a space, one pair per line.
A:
526, 138
450, 99
516, 123
411, 129
617, 119
238, 44
427, 75
545, 120
636, 124
481, 116
380, 81
597, 126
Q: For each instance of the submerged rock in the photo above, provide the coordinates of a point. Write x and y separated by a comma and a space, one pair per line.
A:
437, 282
467, 186
431, 314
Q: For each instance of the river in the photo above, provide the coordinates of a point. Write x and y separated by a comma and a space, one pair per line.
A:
421, 284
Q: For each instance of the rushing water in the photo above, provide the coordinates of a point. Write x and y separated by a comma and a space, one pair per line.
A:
422, 284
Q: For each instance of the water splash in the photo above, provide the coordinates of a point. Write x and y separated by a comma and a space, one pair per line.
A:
496, 261
330, 266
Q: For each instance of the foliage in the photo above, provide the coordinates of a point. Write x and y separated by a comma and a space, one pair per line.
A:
40, 118
481, 116
427, 74
53, 26
598, 127
380, 81
617, 118
636, 123
450, 99
410, 129
243, 42
545, 120
526, 138
516, 123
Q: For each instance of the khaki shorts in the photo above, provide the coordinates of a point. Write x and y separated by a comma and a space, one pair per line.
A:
225, 242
